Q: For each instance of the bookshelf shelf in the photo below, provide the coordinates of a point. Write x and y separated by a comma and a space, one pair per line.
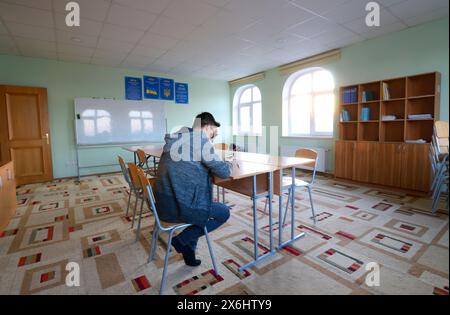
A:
420, 97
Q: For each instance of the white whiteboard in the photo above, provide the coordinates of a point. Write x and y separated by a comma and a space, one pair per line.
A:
108, 121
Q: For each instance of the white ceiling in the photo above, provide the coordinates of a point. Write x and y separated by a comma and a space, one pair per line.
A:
216, 39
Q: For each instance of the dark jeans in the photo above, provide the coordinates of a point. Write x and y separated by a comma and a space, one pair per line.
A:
219, 215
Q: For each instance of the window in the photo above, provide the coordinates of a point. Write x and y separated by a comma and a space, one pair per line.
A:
308, 104
141, 121
247, 111
96, 122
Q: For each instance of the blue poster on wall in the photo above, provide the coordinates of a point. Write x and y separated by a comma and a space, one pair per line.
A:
166, 89
133, 88
151, 87
181, 93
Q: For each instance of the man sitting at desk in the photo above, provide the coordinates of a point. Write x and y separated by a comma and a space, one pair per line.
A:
183, 188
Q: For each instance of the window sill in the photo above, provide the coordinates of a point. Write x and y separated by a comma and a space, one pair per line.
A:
309, 137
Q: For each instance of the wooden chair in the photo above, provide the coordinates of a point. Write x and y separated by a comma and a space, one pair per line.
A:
131, 187
134, 174
143, 163
287, 181
165, 227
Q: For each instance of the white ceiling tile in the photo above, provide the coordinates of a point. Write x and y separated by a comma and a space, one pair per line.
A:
158, 41
217, 3
254, 9
38, 4
134, 61
347, 11
75, 50
3, 29
187, 68
18, 29
112, 62
376, 32
87, 27
388, 3
413, 8
157, 68
148, 52
173, 58
337, 33
192, 12
154, 6
7, 45
169, 27
91, 9
26, 15
429, 16
226, 23
78, 39
109, 55
36, 53
129, 17
359, 25
319, 6
114, 45
164, 64
73, 58
312, 27
30, 44
121, 33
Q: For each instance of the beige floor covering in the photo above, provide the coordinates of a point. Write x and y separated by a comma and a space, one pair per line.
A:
62, 222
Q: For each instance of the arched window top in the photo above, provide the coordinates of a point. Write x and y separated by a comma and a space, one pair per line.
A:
247, 111
308, 104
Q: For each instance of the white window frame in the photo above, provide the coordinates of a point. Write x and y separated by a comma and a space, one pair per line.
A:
287, 96
237, 106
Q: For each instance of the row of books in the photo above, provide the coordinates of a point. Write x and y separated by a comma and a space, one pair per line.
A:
345, 115
365, 114
420, 116
350, 96
386, 93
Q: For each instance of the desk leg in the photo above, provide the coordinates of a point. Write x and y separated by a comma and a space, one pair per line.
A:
255, 197
272, 250
280, 211
293, 236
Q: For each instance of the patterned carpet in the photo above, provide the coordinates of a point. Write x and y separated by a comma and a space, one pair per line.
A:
64, 222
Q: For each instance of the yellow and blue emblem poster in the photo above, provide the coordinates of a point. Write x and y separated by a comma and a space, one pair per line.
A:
166, 87
151, 87
181, 93
133, 88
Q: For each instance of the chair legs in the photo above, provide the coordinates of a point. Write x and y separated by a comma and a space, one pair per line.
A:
153, 248
211, 252
135, 208
129, 201
290, 198
139, 220
166, 262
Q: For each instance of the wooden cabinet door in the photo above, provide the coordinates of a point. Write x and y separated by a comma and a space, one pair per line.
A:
415, 167
24, 133
344, 159
389, 164
365, 162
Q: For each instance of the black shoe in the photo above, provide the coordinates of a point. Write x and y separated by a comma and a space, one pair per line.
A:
187, 252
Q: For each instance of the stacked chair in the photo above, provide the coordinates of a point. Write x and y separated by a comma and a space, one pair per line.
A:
439, 163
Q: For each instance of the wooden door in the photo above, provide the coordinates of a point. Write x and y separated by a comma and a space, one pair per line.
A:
365, 162
389, 164
24, 133
416, 167
344, 159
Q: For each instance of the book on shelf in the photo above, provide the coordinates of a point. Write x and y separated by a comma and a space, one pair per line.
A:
389, 118
368, 96
386, 93
365, 114
350, 96
420, 116
345, 116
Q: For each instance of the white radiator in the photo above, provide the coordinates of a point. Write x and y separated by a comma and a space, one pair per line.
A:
287, 150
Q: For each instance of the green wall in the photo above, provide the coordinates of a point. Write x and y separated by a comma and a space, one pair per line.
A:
424, 48
65, 81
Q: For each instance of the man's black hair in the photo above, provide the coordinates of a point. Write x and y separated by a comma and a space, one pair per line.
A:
206, 119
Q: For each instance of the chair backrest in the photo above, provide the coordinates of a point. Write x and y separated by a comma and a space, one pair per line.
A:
141, 157
149, 197
134, 174
125, 172
221, 146
308, 154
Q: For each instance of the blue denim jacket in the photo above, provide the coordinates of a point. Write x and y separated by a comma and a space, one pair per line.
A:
183, 188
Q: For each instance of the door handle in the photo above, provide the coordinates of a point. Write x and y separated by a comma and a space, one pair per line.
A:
47, 138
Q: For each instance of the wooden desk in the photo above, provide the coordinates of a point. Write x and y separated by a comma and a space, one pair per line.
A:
8, 200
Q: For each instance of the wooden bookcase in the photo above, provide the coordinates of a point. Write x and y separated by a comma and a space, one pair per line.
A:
382, 144
418, 94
